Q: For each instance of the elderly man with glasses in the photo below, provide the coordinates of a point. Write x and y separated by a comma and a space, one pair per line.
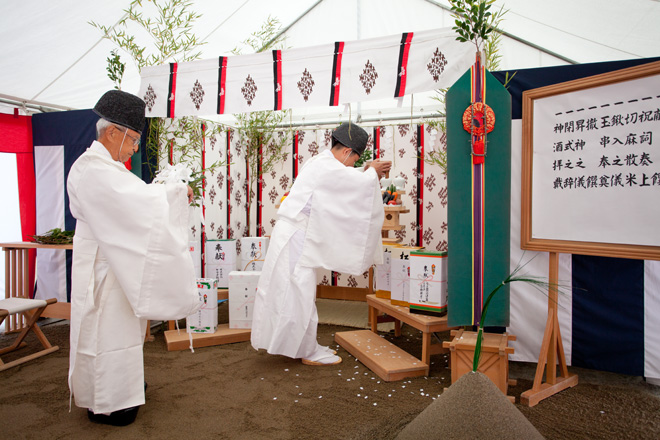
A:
130, 264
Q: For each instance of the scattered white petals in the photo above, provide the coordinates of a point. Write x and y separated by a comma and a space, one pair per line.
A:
375, 404
274, 398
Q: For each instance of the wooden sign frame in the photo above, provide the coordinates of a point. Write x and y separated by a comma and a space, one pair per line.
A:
563, 246
552, 357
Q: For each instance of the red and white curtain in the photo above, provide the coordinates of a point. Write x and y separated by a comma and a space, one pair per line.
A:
225, 201
325, 75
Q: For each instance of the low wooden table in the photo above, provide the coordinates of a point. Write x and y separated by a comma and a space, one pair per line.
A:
384, 358
425, 323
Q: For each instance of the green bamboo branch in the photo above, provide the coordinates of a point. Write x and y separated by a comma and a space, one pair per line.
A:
537, 282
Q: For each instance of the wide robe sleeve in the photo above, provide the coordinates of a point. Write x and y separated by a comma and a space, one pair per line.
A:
345, 222
142, 231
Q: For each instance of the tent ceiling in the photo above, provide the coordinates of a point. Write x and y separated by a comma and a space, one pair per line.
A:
51, 54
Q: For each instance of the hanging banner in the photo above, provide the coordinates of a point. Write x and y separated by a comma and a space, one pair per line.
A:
330, 74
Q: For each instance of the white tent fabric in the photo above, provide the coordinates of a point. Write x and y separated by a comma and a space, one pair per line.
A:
51, 54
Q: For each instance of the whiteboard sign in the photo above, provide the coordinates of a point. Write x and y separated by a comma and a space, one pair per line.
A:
591, 165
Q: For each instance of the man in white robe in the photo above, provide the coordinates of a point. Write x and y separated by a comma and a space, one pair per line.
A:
130, 264
332, 218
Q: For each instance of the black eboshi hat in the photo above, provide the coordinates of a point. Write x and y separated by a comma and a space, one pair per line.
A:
351, 136
122, 108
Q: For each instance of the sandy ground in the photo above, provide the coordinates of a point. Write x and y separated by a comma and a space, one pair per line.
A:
233, 392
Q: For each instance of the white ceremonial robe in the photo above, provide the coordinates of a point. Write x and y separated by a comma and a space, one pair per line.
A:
332, 218
130, 263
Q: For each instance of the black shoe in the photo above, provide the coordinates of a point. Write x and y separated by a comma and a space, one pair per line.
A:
122, 417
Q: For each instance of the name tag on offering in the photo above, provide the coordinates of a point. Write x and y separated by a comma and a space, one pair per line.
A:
253, 253
221, 258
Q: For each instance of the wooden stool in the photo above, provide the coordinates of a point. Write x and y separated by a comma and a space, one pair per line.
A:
494, 359
32, 309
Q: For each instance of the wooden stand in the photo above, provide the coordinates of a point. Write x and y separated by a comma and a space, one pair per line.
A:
391, 222
179, 340
494, 359
552, 349
384, 358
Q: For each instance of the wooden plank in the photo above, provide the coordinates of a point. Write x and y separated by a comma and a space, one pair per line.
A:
491, 342
27, 358
425, 323
382, 357
32, 245
394, 228
532, 397
396, 208
179, 340
59, 310
341, 292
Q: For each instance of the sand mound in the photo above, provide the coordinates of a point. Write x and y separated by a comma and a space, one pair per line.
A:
472, 408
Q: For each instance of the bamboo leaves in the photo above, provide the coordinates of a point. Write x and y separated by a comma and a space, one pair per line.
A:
170, 30
474, 21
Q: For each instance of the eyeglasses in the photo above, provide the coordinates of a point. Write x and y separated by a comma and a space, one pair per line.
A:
136, 140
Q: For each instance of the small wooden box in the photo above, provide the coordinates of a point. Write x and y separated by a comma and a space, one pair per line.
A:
494, 361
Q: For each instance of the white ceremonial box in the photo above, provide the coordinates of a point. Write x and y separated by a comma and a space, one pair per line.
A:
382, 274
242, 292
221, 259
400, 292
428, 283
205, 320
196, 254
253, 253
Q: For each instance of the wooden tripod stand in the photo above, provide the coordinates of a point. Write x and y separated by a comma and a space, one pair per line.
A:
552, 349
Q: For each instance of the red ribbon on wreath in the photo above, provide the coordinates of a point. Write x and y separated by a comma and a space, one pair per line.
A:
473, 123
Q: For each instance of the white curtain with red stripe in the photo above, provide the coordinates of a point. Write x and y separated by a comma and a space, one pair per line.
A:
364, 70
